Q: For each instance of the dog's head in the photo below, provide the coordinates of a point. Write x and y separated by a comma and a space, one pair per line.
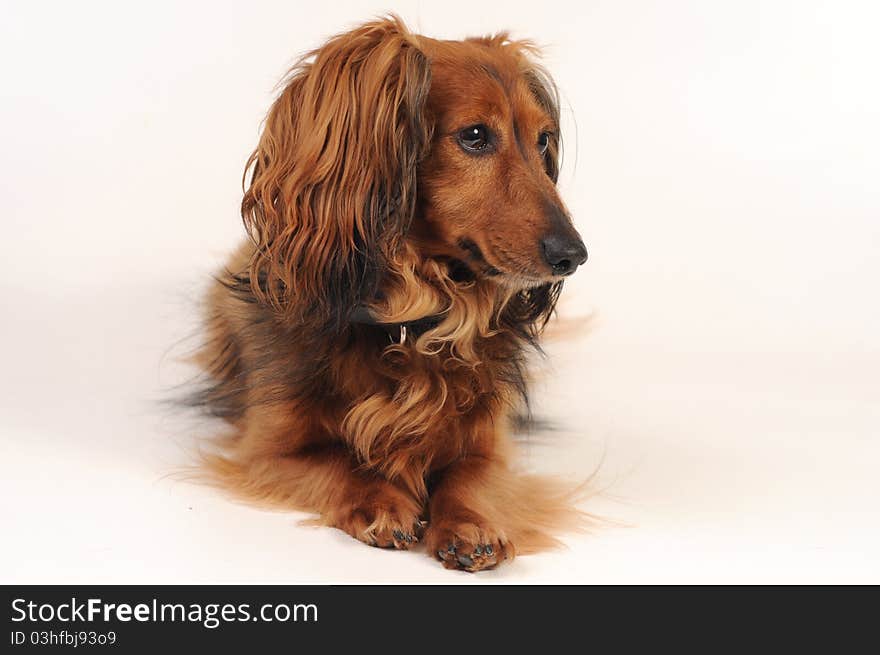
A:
487, 187
382, 136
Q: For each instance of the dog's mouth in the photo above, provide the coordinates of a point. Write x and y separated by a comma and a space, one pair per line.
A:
508, 274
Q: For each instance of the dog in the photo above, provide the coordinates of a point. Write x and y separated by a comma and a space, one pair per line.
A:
368, 344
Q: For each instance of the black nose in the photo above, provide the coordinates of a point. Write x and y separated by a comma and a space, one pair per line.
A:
563, 253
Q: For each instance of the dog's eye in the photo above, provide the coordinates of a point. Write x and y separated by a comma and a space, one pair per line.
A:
474, 138
543, 142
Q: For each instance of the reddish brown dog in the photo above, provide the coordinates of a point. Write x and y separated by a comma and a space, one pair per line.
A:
407, 246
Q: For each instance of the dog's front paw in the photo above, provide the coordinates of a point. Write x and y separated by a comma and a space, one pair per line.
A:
388, 518
468, 546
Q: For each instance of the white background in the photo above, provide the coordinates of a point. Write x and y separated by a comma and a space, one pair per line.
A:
721, 162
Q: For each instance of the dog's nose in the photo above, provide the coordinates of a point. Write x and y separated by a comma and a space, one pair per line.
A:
563, 253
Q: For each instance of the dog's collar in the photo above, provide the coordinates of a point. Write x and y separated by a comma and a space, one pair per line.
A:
397, 332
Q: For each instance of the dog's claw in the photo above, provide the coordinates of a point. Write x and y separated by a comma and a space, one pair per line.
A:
398, 535
466, 561
489, 549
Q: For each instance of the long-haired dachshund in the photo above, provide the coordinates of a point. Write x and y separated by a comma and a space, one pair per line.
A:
407, 245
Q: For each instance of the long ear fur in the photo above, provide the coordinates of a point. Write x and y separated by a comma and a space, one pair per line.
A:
547, 95
333, 186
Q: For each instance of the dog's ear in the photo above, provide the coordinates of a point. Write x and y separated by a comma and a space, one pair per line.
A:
333, 185
547, 95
